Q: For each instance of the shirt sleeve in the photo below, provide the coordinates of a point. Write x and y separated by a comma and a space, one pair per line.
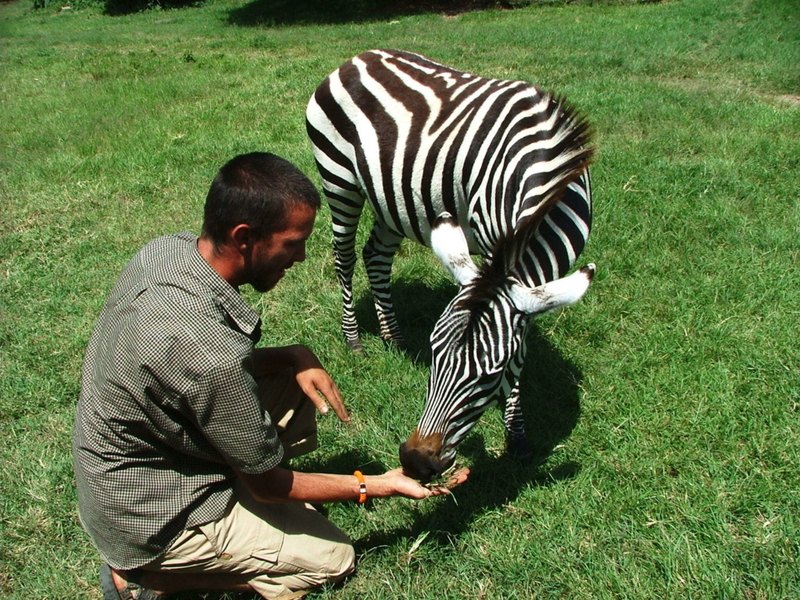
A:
225, 408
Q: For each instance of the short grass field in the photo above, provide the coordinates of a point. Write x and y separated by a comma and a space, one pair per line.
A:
664, 407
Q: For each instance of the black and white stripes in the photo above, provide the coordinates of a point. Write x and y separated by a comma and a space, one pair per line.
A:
505, 161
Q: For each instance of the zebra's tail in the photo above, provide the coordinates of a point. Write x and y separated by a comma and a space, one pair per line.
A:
562, 159
560, 162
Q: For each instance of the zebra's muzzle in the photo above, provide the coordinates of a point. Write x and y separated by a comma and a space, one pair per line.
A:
420, 457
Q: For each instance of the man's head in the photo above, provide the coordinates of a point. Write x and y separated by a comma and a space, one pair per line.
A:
259, 213
257, 189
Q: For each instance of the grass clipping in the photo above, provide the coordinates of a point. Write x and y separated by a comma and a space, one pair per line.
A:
447, 480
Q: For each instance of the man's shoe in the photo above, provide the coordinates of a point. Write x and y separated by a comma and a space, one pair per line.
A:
132, 591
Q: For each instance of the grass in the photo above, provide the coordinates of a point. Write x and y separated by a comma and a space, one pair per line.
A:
667, 401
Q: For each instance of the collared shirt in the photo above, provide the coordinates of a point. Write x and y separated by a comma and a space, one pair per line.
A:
168, 406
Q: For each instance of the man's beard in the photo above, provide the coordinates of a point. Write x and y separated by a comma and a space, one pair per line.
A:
266, 276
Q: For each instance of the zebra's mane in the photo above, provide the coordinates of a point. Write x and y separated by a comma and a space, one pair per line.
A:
571, 154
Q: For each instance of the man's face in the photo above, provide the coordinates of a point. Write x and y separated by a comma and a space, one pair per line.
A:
271, 257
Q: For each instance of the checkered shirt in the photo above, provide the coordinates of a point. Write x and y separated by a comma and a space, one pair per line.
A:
168, 404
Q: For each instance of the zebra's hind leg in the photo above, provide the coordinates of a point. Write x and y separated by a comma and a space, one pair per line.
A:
378, 255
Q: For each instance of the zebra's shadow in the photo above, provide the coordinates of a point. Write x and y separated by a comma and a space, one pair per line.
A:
550, 395
417, 306
550, 390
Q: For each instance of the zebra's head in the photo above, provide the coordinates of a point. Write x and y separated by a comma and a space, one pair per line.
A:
476, 340
470, 353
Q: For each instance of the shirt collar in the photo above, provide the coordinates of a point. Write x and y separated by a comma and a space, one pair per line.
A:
226, 296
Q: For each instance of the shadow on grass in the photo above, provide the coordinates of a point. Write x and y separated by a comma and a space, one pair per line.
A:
494, 483
117, 8
272, 13
418, 307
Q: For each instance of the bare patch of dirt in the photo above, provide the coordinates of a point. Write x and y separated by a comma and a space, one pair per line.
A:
790, 99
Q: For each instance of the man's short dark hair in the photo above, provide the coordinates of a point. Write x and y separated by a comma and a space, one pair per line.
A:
257, 189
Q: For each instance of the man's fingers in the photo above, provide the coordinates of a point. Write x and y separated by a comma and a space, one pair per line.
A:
330, 393
457, 478
334, 397
317, 400
335, 400
341, 412
437, 490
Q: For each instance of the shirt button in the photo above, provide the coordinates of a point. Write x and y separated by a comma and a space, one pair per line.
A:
226, 556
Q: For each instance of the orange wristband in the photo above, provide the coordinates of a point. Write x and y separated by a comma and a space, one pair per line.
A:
362, 487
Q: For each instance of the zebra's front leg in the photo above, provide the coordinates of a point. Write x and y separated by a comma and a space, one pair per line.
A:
345, 213
378, 255
517, 444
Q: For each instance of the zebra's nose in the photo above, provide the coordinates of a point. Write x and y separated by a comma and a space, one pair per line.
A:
422, 464
416, 464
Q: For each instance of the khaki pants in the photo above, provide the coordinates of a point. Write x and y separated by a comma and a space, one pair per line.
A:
278, 549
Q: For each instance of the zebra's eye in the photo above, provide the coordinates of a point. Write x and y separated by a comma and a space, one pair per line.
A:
488, 381
491, 371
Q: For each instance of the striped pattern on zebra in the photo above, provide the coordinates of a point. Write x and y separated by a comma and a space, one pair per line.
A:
466, 165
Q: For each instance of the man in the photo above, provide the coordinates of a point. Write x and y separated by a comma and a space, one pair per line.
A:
182, 424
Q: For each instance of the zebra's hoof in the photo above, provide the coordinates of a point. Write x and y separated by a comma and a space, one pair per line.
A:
519, 449
356, 347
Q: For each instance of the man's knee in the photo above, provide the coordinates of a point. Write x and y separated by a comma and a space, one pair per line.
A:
338, 563
343, 562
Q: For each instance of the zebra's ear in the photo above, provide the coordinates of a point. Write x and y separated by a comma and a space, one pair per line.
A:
553, 294
450, 245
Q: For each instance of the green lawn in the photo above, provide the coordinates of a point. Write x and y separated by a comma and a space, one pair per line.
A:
666, 402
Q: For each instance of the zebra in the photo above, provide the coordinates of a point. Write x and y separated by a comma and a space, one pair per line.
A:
467, 166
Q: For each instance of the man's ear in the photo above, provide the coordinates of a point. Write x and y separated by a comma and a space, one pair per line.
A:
241, 236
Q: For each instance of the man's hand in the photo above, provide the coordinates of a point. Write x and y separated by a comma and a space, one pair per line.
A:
282, 485
314, 380
411, 488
